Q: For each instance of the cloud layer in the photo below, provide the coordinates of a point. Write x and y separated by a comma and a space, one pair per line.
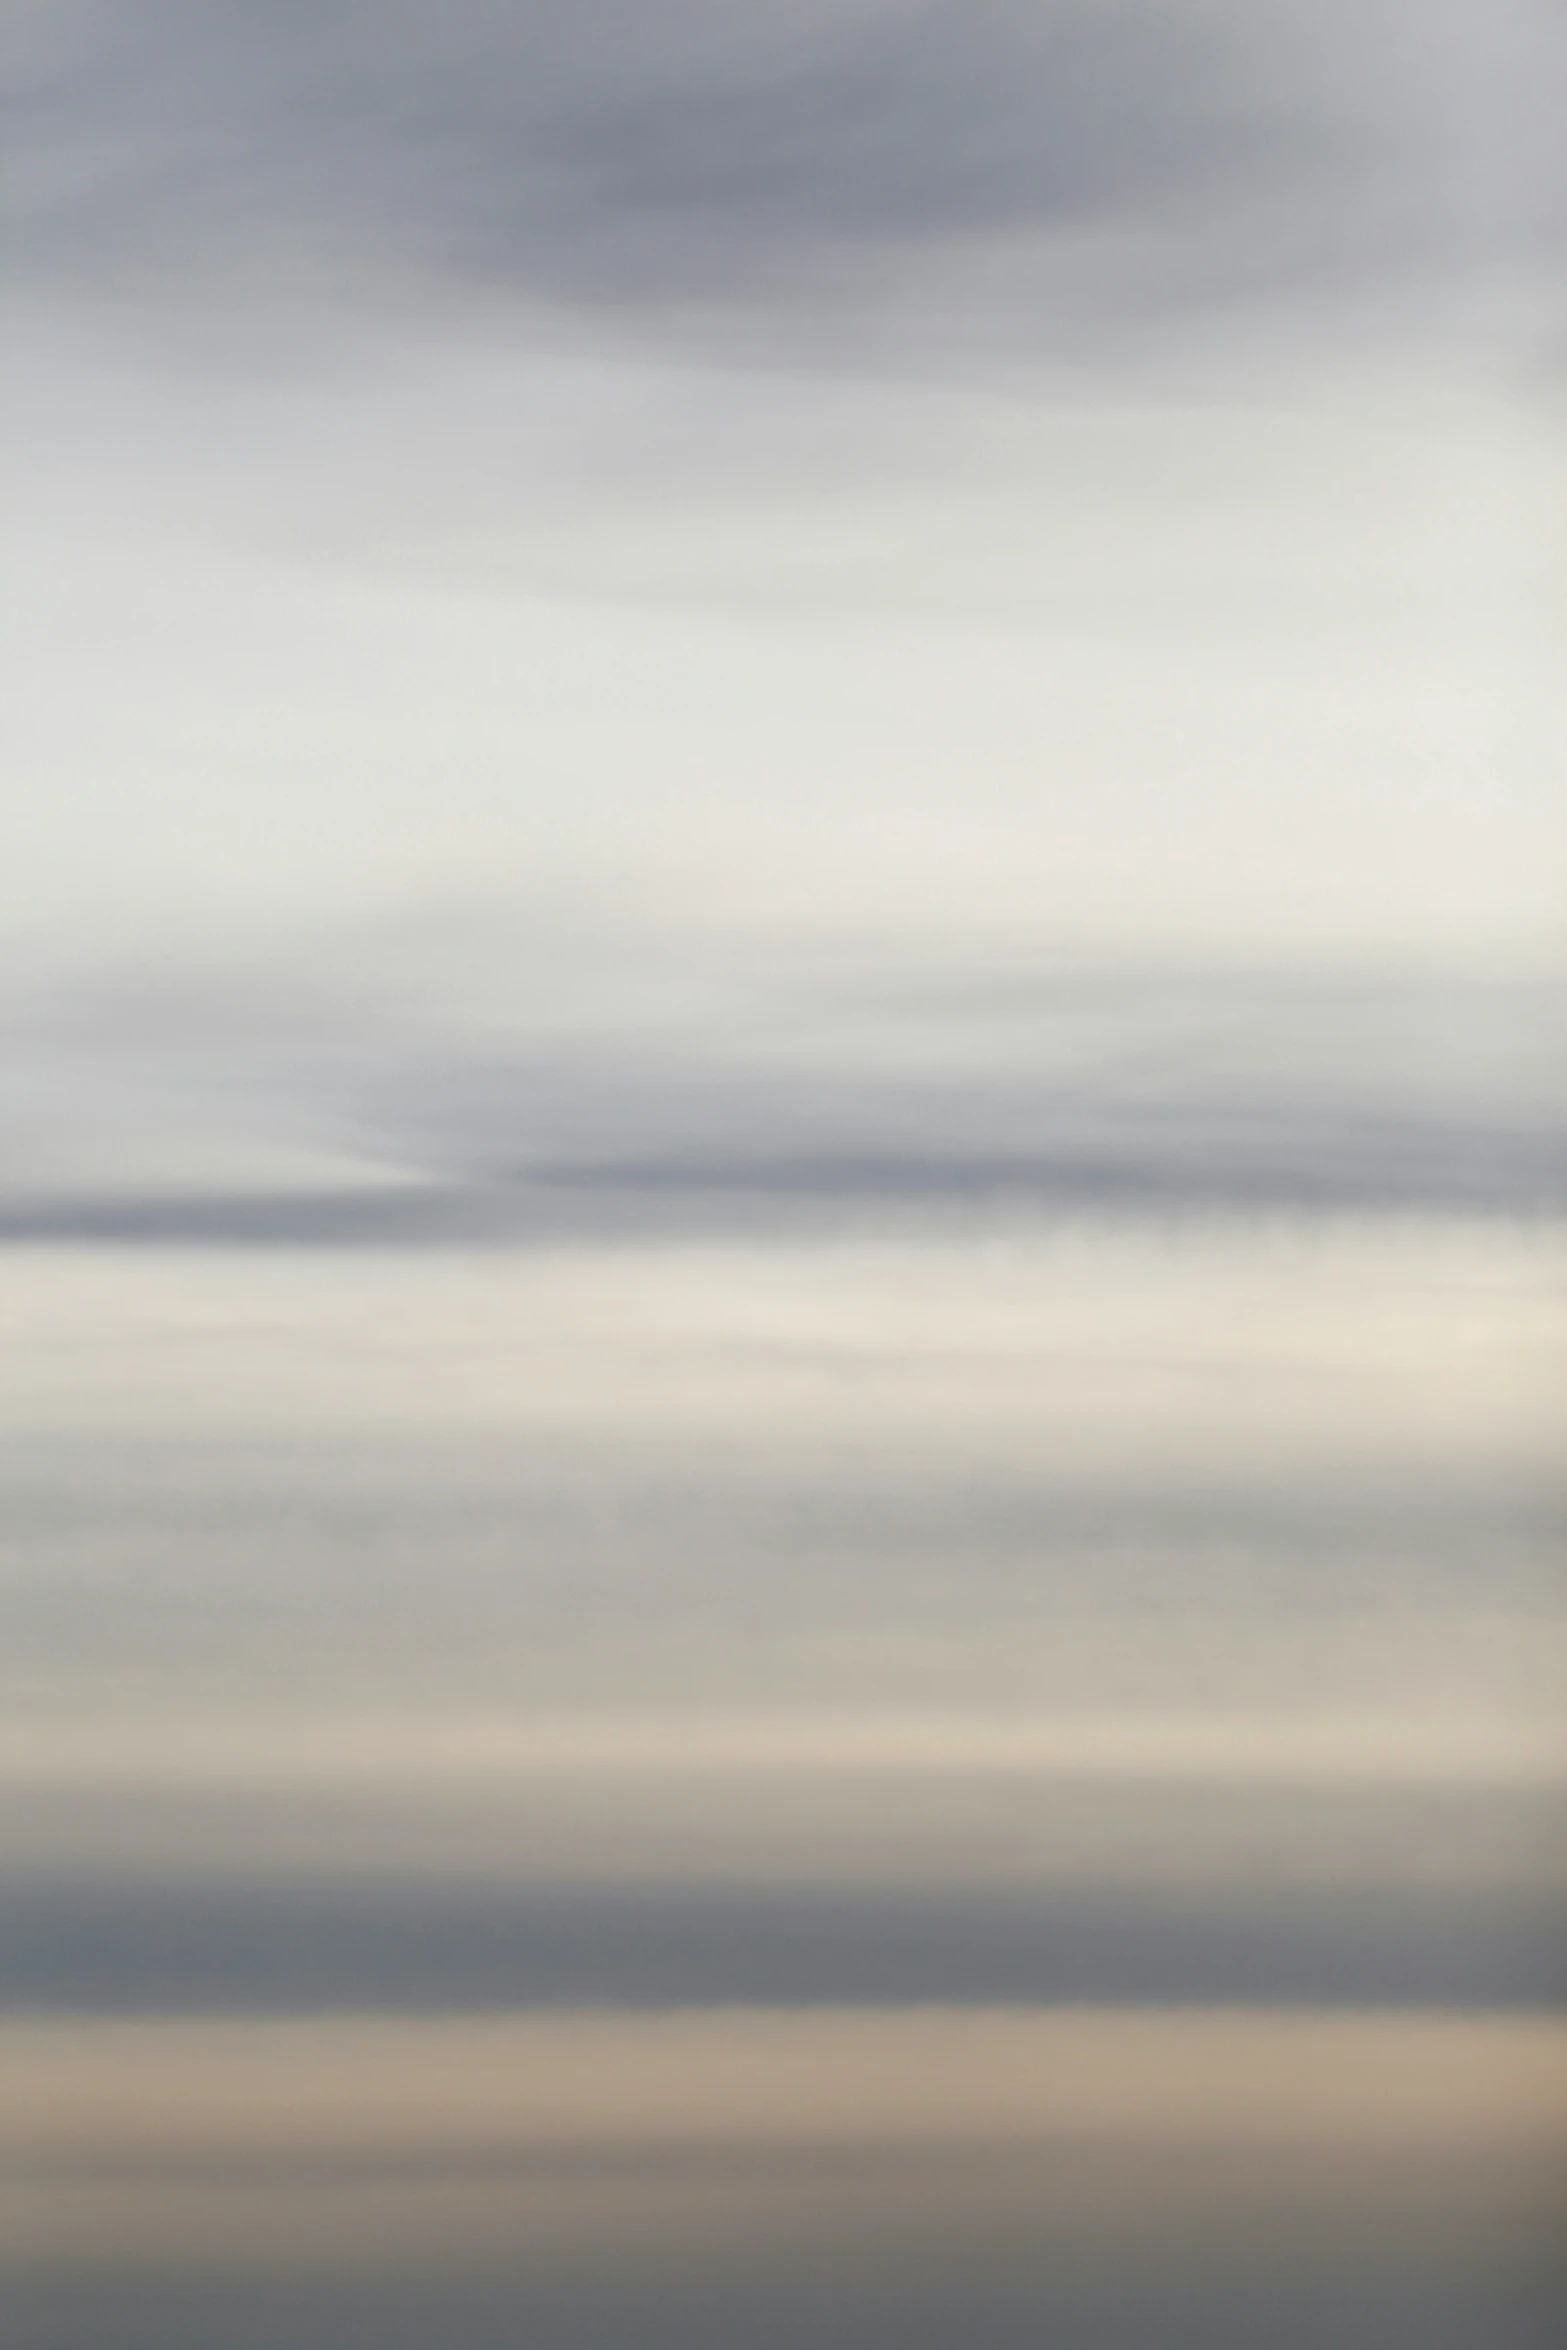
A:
1036, 167
416, 1086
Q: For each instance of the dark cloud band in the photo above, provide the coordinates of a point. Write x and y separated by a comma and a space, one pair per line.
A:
1033, 163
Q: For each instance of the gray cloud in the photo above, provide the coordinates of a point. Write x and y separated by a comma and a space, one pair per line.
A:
1030, 163
675, 1201
623, 1083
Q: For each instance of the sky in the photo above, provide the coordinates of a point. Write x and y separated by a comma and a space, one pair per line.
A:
598, 547
1068, 477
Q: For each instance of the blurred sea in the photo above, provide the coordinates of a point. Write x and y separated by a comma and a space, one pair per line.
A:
973, 1776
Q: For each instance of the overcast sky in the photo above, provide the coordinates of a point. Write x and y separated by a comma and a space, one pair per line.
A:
949, 484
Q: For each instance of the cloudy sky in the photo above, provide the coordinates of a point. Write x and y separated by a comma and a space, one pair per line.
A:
576, 553
568, 507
